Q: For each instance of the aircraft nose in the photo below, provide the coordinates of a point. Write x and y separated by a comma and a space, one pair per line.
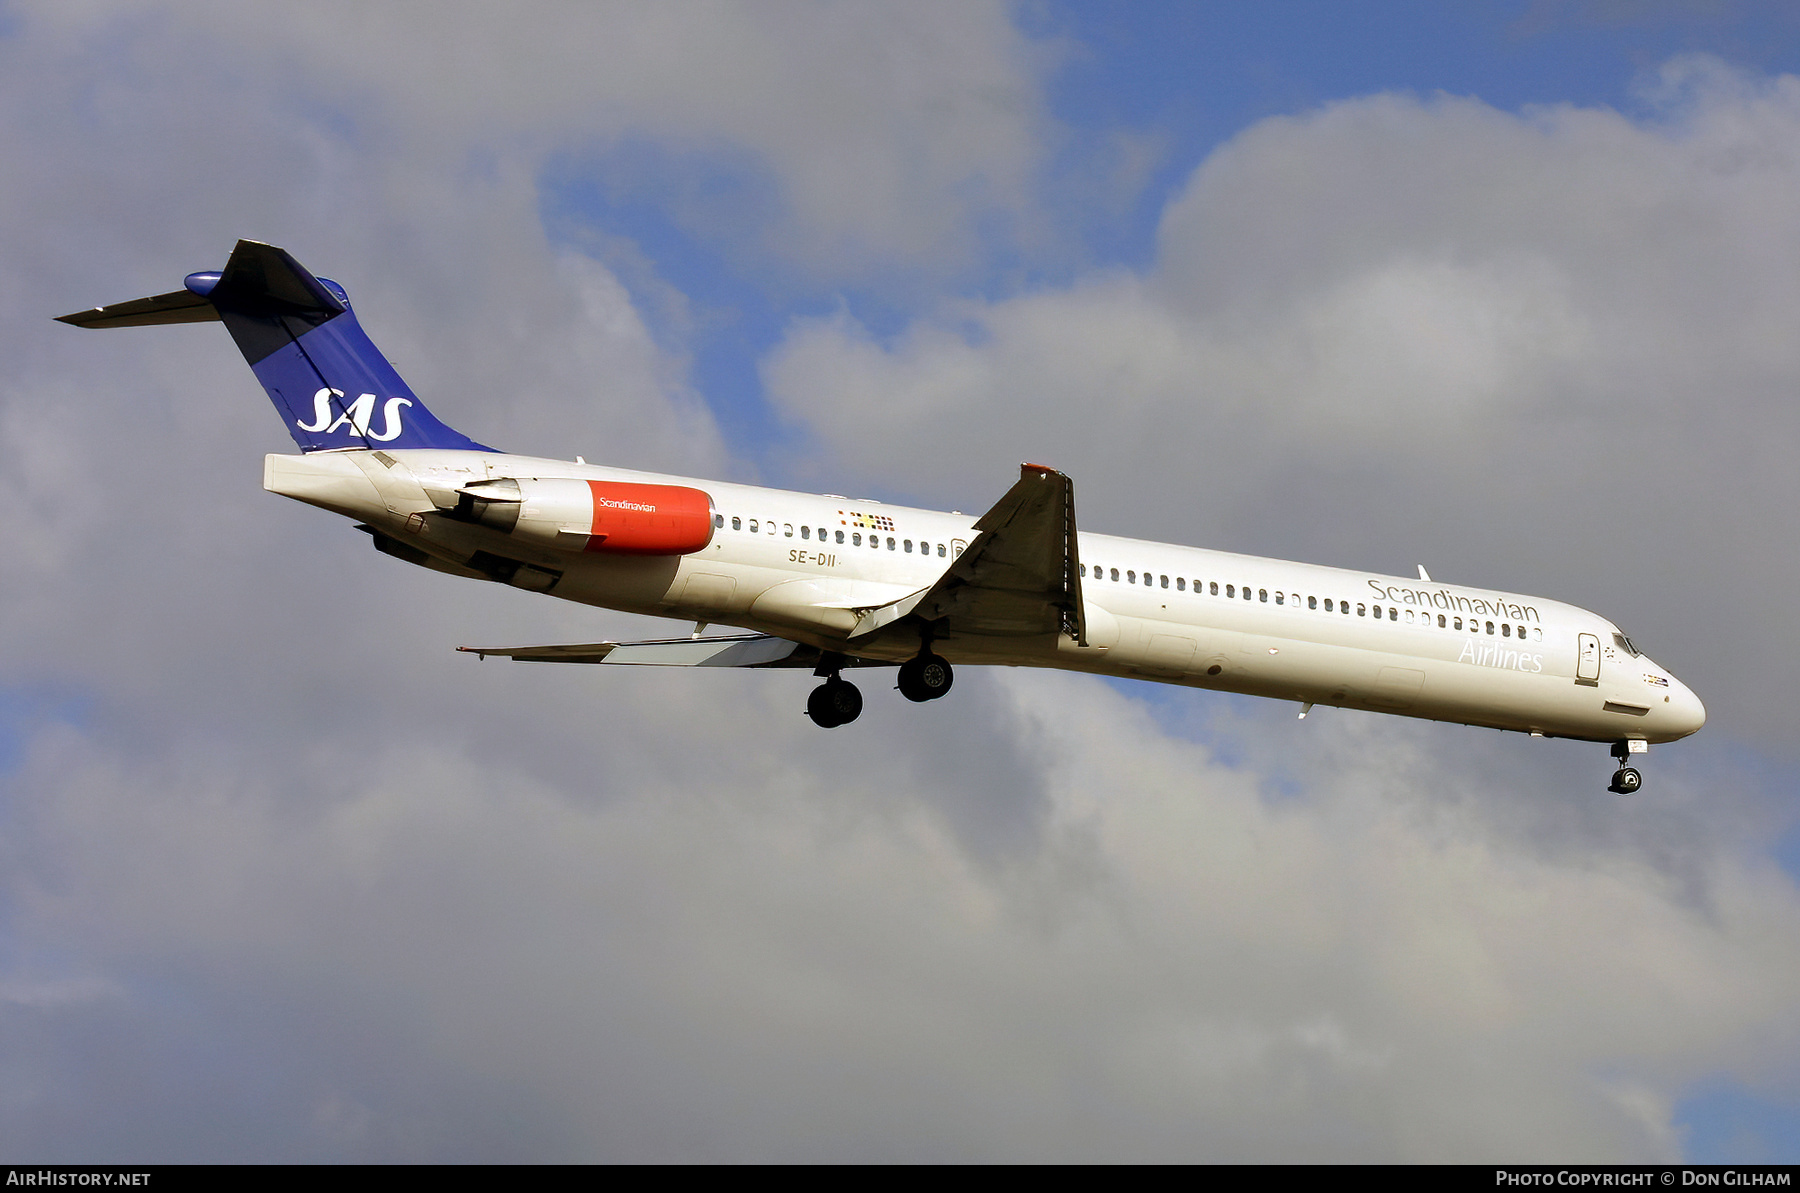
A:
1686, 713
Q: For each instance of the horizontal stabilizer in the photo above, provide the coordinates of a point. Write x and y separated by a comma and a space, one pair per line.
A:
181, 306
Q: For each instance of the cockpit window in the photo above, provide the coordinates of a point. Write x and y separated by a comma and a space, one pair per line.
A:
1625, 643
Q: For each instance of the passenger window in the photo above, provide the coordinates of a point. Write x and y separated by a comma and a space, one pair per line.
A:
771, 526
1440, 621
1490, 627
718, 521
1130, 577
856, 540
755, 526
908, 546
940, 550
1328, 607
1393, 614
1180, 584
890, 544
840, 536
787, 529
1278, 598
1115, 573
1231, 590
1164, 580
1362, 611
1505, 630
1409, 617
737, 523
1262, 594
1213, 588
806, 532
1246, 593
1537, 635
1084, 570
1312, 602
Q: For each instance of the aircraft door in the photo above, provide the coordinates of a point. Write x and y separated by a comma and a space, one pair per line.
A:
1587, 660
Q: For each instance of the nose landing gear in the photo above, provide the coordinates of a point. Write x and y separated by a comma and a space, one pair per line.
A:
1626, 780
926, 677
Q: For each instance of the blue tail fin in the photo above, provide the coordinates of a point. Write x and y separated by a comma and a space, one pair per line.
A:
304, 344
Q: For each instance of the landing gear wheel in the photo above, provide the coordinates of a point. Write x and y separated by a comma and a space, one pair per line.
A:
834, 703
1626, 779
925, 678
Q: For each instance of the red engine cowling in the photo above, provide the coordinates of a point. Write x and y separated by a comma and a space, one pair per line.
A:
610, 517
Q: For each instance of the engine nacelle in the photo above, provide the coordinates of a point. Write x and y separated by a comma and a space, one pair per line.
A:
610, 517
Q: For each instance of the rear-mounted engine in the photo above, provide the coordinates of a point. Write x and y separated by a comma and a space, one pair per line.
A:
610, 517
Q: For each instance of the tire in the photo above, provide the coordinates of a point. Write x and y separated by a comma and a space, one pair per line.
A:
925, 678
910, 684
1626, 780
844, 699
935, 676
818, 707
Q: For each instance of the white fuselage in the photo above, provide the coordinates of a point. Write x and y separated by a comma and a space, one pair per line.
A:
804, 567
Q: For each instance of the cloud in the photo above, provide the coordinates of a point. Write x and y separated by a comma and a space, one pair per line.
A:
787, 949
882, 134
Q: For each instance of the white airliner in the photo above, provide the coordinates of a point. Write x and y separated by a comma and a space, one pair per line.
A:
828, 583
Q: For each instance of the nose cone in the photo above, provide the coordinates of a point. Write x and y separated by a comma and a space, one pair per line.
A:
1683, 714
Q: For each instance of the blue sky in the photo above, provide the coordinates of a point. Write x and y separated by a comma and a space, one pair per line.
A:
1503, 289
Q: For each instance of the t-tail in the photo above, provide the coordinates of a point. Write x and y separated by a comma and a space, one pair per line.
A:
331, 385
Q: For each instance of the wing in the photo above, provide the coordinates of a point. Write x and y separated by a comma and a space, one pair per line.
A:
734, 650
1022, 574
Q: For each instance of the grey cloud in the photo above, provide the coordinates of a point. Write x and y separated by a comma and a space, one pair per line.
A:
785, 959
884, 131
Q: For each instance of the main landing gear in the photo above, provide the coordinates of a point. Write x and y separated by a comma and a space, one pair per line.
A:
838, 702
1626, 779
926, 677
834, 702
